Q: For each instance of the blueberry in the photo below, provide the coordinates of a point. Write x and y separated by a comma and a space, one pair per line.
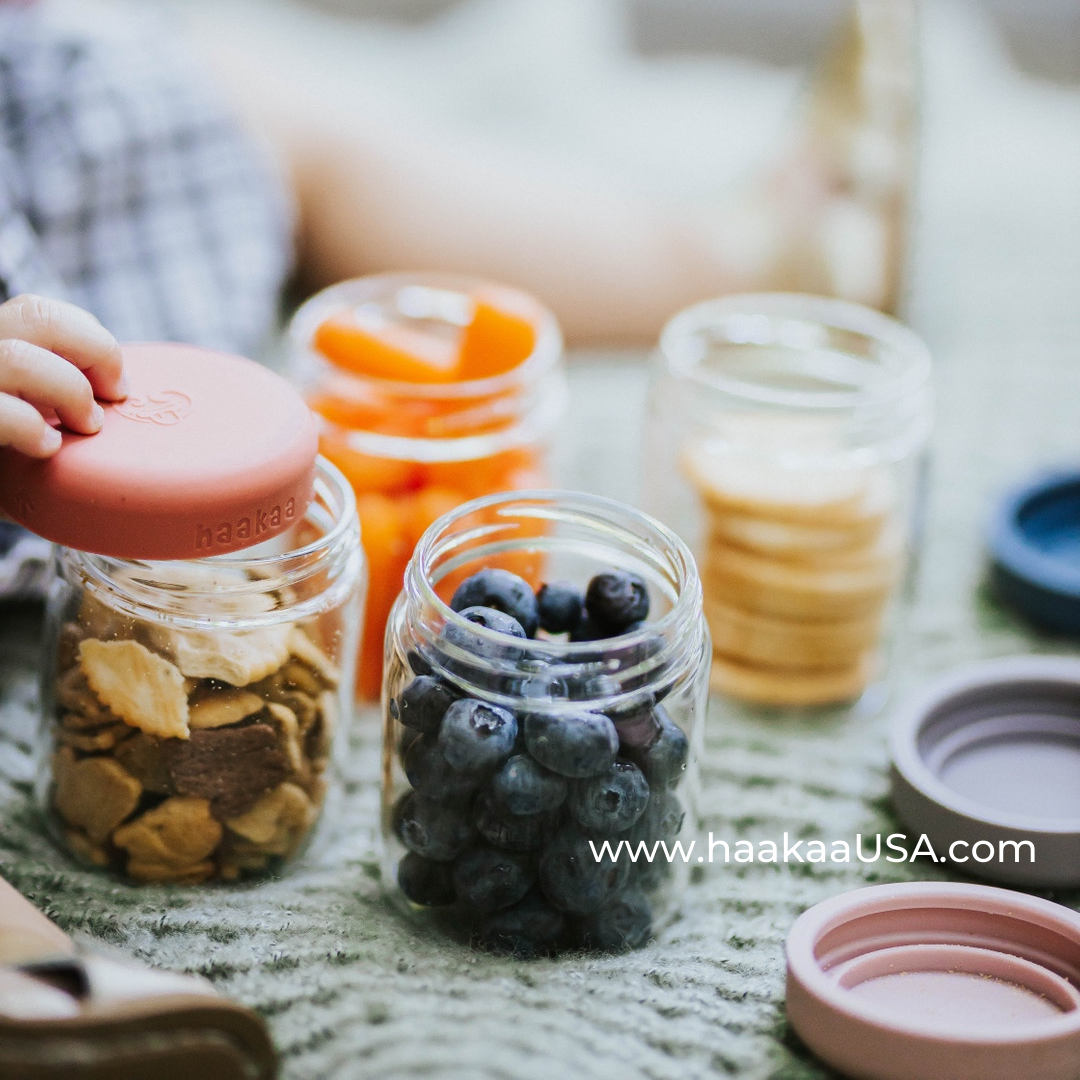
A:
574, 880
422, 704
587, 629
503, 591
640, 653
418, 663
478, 644
432, 775
487, 879
435, 830
523, 678
511, 832
476, 737
651, 875
662, 819
664, 761
590, 685
611, 803
575, 744
645, 649
534, 681
617, 599
638, 727
531, 678
560, 606
530, 928
522, 786
405, 742
426, 882
624, 923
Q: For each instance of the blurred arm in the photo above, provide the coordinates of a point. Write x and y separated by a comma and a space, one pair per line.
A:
375, 197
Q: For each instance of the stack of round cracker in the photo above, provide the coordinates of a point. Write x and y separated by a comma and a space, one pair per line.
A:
798, 565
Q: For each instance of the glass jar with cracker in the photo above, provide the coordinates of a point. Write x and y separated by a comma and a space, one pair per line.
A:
201, 625
784, 444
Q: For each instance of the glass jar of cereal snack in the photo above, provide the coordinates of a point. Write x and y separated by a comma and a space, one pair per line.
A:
545, 690
201, 625
430, 390
783, 444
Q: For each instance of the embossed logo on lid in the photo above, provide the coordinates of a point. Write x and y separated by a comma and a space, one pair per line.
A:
167, 407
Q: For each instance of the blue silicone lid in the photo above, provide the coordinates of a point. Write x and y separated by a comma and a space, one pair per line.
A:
1035, 547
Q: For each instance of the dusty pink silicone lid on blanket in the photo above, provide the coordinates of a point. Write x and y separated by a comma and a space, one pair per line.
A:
924, 980
210, 453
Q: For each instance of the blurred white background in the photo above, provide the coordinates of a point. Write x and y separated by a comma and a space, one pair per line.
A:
550, 78
1043, 35
673, 95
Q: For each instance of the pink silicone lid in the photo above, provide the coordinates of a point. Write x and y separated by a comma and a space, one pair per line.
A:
924, 979
210, 453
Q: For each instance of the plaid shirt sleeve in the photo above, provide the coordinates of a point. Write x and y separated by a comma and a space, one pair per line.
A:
127, 187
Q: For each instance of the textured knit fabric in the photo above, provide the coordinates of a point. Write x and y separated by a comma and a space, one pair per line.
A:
126, 187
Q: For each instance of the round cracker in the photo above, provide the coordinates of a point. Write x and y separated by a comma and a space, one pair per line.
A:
767, 686
791, 539
883, 551
797, 591
763, 488
140, 687
787, 644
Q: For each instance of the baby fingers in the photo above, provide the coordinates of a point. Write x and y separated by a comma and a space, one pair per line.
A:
25, 429
71, 333
46, 381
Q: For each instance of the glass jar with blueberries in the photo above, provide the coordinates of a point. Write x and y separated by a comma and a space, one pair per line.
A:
544, 695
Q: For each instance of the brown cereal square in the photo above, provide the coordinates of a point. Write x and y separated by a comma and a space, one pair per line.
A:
230, 766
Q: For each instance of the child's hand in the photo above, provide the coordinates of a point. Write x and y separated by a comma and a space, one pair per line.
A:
54, 358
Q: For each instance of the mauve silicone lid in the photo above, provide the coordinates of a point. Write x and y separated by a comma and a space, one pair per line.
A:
991, 753
1034, 543
209, 453
925, 980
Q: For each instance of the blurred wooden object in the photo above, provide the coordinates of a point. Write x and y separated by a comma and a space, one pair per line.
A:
69, 1015
1043, 36
828, 211
859, 118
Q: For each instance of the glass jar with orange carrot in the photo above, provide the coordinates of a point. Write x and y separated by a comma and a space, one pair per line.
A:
431, 390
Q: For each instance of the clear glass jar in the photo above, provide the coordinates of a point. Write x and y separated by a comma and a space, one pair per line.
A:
597, 740
192, 709
783, 443
414, 449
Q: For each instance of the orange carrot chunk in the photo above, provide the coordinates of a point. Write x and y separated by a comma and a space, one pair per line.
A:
385, 351
425, 506
387, 549
367, 473
495, 342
